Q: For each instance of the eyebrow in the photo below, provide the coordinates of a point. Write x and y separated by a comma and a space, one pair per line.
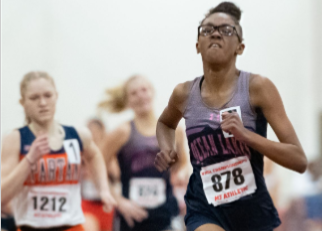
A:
211, 24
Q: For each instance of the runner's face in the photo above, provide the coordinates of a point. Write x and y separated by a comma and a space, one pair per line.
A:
140, 96
216, 48
39, 100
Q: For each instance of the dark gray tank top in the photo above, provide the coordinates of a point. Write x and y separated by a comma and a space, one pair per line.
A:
207, 143
206, 140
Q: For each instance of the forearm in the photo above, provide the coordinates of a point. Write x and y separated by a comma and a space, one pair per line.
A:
12, 183
287, 155
165, 136
98, 172
116, 192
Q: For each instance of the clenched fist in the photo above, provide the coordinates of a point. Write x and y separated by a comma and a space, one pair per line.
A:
165, 159
38, 148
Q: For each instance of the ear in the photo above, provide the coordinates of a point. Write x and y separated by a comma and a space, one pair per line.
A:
197, 48
240, 49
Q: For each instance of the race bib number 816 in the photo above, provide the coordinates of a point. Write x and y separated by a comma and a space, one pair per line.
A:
148, 192
228, 181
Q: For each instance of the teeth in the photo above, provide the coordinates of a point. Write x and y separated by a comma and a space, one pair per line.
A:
215, 45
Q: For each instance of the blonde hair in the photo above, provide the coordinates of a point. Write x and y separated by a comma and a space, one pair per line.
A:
117, 97
28, 78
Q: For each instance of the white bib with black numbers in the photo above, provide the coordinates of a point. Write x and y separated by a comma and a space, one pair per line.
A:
148, 192
228, 181
43, 203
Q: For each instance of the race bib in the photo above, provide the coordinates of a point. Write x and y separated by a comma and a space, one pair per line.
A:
228, 181
230, 110
73, 151
47, 204
148, 192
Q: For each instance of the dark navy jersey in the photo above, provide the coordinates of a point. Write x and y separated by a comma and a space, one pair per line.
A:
136, 160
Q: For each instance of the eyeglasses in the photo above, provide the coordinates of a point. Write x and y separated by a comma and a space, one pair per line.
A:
226, 30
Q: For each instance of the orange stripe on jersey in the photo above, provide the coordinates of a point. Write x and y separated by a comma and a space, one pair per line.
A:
53, 169
72, 228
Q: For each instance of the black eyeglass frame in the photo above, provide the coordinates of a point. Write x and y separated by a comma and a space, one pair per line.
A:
217, 28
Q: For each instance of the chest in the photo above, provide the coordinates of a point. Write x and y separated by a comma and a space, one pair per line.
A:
216, 99
139, 154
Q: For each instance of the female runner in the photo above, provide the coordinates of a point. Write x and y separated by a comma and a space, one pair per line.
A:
147, 201
226, 112
41, 163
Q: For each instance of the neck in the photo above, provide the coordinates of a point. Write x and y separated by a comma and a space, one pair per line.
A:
146, 120
219, 78
48, 127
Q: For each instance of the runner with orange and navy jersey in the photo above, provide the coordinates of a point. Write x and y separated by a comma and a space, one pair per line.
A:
41, 163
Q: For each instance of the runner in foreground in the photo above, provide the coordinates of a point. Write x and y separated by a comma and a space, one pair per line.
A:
226, 113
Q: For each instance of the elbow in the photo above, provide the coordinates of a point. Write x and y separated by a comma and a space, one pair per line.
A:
4, 202
302, 165
162, 123
4, 199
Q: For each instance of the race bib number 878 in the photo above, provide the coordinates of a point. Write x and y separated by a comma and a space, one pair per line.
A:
228, 181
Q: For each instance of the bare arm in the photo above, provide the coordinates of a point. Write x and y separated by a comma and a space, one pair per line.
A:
95, 163
13, 172
182, 169
167, 125
181, 150
288, 152
114, 142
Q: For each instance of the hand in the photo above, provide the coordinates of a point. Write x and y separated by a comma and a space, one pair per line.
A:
231, 123
131, 212
108, 201
39, 148
165, 159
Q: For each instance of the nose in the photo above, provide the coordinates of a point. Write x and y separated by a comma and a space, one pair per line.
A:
216, 34
42, 101
141, 94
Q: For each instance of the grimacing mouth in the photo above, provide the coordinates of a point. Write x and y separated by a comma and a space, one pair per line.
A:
215, 44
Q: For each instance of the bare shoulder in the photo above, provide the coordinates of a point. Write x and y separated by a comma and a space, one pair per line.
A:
85, 135
182, 90
120, 135
13, 136
261, 89
10, 151
258, 82
180, 95
11, 141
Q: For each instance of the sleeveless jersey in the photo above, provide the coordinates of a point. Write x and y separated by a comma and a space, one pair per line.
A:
225, 170
142, 182
51, 195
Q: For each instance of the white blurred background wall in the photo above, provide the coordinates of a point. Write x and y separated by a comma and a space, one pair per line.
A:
88, 46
